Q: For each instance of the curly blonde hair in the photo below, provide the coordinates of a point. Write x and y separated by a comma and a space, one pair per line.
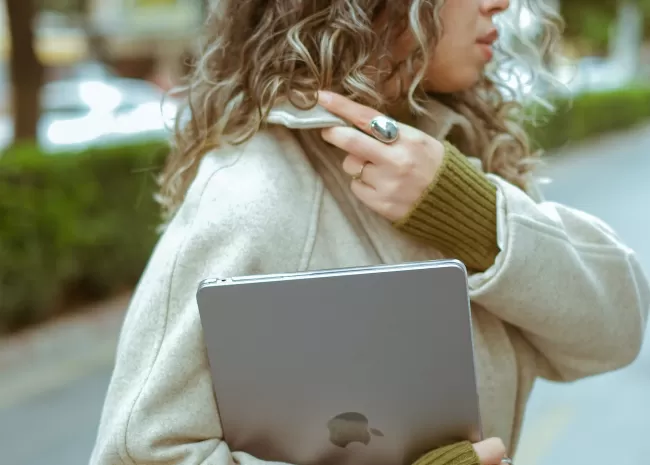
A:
256, 52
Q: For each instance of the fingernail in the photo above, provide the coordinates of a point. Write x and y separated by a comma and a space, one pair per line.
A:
324, 97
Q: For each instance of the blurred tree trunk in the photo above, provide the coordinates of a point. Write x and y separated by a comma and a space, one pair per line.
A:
26, 70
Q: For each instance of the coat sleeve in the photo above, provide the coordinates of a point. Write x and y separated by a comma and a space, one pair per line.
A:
160, 406
568, 283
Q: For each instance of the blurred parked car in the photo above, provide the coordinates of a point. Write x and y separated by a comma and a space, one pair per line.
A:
591, 74
89, 106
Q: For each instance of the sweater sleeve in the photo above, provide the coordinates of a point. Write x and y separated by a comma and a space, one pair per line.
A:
460, 453
563, 277
457, 213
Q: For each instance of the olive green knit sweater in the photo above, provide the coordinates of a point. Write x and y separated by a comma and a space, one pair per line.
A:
461, 453
457, 213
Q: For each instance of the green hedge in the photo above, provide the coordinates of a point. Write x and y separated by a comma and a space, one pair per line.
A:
590, 115
73, 227
80, 226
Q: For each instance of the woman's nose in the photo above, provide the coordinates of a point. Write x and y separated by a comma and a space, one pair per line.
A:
493, 7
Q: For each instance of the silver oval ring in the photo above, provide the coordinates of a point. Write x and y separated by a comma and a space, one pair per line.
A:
384, 129
506, 461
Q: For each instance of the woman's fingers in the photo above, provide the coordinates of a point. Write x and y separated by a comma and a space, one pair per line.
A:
353, 112
351, 140
361, 170
490, 451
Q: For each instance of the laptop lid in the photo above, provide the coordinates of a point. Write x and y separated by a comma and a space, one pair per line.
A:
364, 366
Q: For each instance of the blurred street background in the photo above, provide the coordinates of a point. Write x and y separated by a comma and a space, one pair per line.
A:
84, 129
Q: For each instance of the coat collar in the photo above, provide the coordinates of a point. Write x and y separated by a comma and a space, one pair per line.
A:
441, 123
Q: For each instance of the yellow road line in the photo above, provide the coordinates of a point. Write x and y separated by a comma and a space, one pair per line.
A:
542, 433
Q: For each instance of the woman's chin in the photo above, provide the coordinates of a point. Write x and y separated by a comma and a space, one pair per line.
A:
457, 83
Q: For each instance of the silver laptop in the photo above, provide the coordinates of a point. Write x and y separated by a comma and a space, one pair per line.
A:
364, 366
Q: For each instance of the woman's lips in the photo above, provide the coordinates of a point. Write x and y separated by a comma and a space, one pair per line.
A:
485, 43
486, 50
489, 38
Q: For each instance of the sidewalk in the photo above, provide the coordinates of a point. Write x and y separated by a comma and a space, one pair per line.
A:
57, 353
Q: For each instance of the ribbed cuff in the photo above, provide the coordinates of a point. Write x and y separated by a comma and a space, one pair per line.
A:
461, 453
457, 213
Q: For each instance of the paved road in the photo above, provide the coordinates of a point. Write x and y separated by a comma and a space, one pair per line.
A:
601, 421
57, 427
604, 420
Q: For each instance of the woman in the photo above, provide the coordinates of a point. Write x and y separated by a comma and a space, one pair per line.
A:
289, 163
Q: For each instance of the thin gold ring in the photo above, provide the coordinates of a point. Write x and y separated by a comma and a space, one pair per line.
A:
357, 177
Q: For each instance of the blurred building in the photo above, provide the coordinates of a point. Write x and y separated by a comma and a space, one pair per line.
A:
133, 33
160, 30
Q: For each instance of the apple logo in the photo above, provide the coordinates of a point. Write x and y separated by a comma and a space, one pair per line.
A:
350, 427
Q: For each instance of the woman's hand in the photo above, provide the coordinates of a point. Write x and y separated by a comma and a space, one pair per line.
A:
491, 452
388, 178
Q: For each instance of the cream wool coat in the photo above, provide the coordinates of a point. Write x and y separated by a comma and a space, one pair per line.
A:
565, 299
